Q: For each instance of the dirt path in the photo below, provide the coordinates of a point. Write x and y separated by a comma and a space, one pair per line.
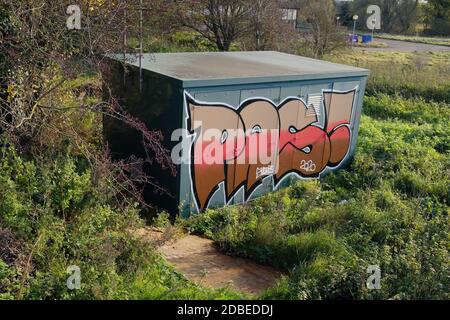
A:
200, 261
405, 46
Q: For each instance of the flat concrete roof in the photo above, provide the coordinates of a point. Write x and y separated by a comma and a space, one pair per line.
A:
221, 68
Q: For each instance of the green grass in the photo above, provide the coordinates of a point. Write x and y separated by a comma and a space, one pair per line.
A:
423, 75
58, 210
389, 208
159, 281
427, 40
53, 215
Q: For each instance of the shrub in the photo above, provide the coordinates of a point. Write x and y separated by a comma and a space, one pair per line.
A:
55, 215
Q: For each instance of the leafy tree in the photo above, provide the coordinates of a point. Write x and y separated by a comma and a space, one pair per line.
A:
437, 17
62, 199
345, 13
407, 15
323, 35
396, 15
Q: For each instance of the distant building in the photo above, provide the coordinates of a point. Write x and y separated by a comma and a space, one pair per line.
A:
291, 13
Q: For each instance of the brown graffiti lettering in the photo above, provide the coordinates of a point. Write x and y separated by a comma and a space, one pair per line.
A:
241, 147
260, 119
222, 122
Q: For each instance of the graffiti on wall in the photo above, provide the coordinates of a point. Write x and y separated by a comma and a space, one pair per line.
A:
240, 147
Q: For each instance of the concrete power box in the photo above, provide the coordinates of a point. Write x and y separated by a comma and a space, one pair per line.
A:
238, 124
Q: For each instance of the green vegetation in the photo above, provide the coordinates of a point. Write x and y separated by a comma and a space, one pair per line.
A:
53, 215
62, 201
423, 75
389, 208
427, 40
182, 41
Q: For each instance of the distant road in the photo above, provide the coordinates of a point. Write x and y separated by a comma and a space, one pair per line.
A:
406, 46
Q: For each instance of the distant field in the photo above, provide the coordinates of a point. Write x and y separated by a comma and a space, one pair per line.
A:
428, 40
424, 75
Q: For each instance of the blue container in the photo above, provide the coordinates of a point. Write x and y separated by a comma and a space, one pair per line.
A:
353, 38
367, 38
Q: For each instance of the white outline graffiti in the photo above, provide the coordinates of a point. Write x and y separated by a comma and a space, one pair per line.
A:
190, 137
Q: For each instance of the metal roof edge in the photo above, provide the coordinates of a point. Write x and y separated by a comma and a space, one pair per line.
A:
260, 80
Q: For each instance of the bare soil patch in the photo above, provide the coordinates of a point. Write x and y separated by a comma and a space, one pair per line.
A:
201, 262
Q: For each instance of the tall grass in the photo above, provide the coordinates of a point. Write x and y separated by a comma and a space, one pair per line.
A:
424, 75
427, 40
